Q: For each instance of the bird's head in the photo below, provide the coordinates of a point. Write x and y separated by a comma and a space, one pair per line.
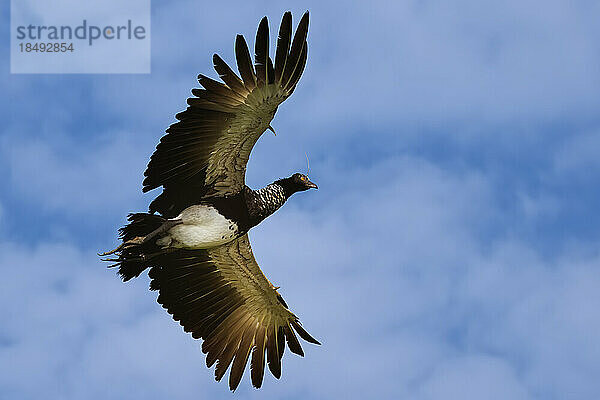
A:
296, 183
301, 182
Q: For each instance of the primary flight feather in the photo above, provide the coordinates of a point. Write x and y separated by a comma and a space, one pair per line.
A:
194, 239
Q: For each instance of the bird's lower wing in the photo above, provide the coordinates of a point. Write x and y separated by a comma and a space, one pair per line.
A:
222, 296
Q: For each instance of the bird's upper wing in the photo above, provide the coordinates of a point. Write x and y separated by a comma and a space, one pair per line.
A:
206, 152
222, 296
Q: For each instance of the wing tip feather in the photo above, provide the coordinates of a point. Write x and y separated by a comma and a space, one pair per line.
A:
303, 333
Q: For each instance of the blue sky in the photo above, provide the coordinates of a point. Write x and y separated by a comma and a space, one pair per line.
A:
451, 251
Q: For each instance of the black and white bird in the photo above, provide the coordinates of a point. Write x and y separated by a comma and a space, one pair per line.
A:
194, 239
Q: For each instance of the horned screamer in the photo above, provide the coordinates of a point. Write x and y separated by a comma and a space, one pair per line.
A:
194, 239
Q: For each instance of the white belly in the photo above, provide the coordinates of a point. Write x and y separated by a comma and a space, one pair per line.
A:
203, 227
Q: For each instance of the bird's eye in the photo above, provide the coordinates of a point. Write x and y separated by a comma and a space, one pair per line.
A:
303, 178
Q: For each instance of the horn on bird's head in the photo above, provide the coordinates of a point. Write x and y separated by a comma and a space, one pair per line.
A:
307, 165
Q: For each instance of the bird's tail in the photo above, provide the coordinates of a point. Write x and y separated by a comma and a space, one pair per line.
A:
137, 249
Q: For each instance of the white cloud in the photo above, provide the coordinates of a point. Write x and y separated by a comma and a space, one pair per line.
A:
74, 178
473, 377
577, 159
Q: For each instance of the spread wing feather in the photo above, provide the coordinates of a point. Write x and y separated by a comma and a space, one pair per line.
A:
296, 50
205, 153
222, 296
261, 51
291, 84
283, 45
229, 77
244, 63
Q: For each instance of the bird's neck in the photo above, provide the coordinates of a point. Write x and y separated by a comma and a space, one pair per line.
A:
265, 201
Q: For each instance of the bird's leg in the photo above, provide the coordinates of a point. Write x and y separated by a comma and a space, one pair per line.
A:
113, 251
168, 224
136, 240
139, 240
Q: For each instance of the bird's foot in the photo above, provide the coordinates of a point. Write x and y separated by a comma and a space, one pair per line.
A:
113, 251
135, 241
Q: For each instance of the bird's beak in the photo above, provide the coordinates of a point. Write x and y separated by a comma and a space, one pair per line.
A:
311, 185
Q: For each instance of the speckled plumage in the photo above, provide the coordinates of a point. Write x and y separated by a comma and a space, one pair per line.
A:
265, 201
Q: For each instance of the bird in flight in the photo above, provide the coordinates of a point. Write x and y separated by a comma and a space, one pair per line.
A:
194, 239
